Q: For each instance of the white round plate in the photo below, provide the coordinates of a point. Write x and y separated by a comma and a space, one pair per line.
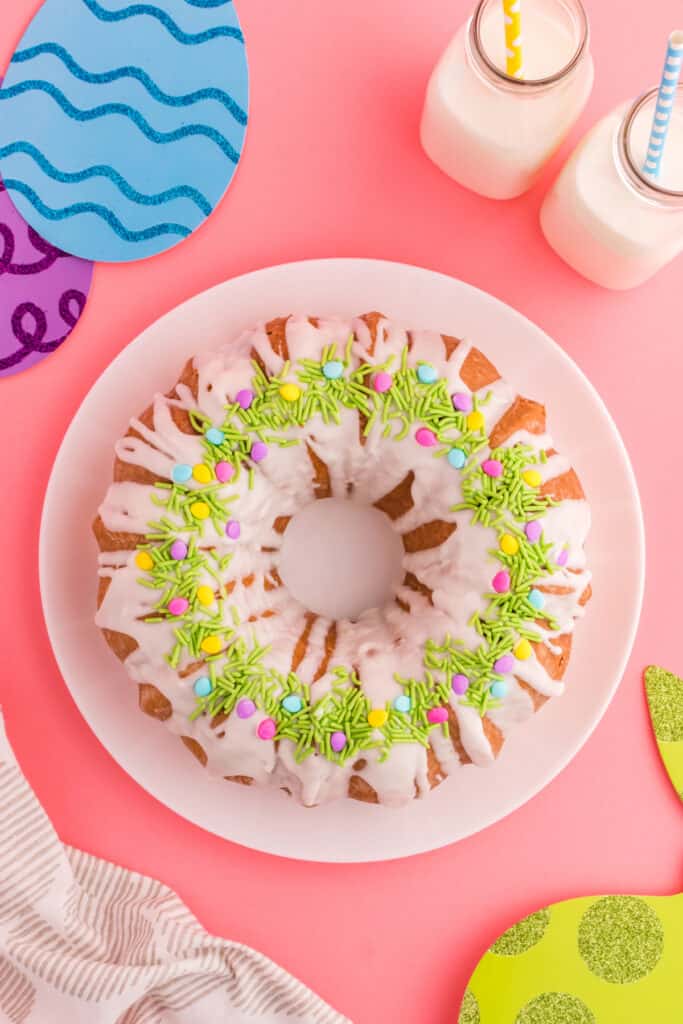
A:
346, 830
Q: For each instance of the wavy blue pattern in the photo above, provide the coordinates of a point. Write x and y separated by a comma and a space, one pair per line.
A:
119, 108
154, 12
105, 171
208, 3
101, 211
103, 77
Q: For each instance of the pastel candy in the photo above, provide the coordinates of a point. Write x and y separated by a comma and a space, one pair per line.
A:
504, 664
232, 529
333, 369
178, 605
462, 401
244, 398
181, 473
224, 471
460, 684
245, 708
435, 716
292, 703
403, 703
533, 530
456, 458
501, 582
498, 689
266, 729
382, 381
427, 374
338, 741
214, 435
259, 450
426, 437
202, 686
178, 550
492, 467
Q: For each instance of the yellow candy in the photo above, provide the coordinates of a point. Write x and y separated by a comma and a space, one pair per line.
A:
211, 644
532, 477
201, 473
475, 420
205, 595
377, 718
523, 650
200, 510
143, 561
509, 544
290, 392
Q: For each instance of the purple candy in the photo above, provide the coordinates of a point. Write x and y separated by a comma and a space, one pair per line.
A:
504, 664
178, 605
533, 530
224, 471
460, 684
245, 708
178, 550
437, 715
492, 467
501, 582
258, 452
462, 401
267, 729
338, 741
244, 398
563, 557
232, 529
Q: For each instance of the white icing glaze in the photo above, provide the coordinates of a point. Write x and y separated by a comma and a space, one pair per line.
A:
382, 642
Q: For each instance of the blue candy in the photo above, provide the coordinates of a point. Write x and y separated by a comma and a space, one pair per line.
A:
292, 703
456, 458
333, 369
536, 599
426, 373
498, 689
215, 436
403, 703
181, 473
202, 686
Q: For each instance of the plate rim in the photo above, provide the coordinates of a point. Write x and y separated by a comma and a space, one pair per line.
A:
299, 266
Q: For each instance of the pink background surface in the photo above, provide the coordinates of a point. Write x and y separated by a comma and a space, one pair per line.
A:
333, 167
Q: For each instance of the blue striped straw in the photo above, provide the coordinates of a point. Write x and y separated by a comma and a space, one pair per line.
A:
665, 102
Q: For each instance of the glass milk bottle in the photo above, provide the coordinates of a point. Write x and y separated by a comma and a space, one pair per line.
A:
604, 216
491, 131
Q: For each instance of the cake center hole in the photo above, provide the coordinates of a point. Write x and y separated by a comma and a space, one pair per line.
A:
339, 558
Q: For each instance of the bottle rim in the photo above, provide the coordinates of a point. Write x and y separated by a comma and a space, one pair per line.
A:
527, 85
643, 183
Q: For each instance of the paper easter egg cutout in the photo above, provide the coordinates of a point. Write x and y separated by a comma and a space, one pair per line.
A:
42, 292
596, 959
121, 124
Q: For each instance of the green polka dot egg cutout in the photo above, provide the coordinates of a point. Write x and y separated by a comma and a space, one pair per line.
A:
665, 699
416, 425
555, 1008
621, 939
592, 960
523, 935
469, 1010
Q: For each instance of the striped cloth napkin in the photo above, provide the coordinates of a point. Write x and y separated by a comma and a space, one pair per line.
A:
85, 942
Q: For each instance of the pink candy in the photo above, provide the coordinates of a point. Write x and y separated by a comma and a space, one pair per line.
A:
381, 382
224, 471
178, 605
437, 715
267, 729
259, 450
426, 437
245, 708
462, 401
232, 529
533, 530
563, 557
504, 664
492, 467
501, 582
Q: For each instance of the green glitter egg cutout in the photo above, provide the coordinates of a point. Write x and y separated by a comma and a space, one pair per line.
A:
523, 935
621, 939
555, 1008
665, 697
469, 1011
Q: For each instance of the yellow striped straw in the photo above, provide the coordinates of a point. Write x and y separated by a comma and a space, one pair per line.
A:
513, 38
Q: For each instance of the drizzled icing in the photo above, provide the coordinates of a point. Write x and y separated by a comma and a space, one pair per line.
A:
440, 622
